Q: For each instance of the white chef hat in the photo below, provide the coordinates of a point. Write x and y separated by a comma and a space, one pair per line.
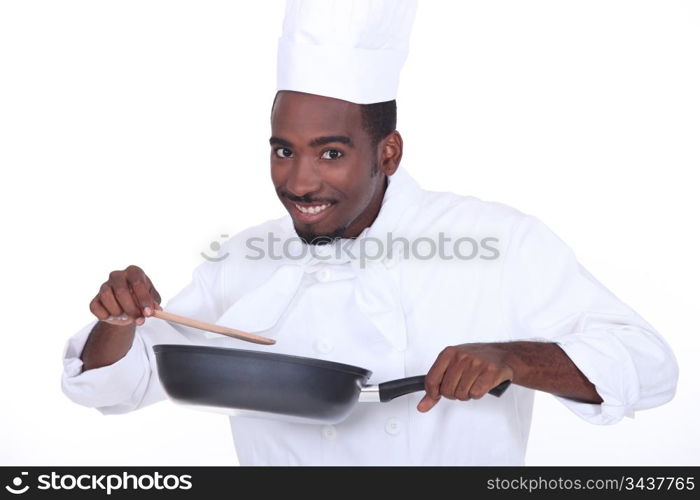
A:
347, 49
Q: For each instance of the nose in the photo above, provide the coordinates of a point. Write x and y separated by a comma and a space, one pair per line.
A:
303, 178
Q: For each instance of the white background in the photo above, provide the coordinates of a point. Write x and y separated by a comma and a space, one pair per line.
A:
136, 132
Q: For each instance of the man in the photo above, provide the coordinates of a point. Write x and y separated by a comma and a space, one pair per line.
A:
386, 276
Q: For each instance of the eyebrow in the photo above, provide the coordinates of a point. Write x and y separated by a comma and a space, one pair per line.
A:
318, 141
280, 142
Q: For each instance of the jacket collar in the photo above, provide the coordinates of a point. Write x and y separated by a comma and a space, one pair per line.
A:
377, 285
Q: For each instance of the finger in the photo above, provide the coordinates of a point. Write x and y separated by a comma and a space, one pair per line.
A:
98, 309
141, 288
156, 295
108, 301
453, 376
122, 292
427, 403
143, 298
434, 377
463, 389
152, 290
485, 382
126, 301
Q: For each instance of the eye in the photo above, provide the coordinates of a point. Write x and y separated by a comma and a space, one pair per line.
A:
283, 152
332, 154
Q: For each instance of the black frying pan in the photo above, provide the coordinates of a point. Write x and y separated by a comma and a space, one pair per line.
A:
307, 389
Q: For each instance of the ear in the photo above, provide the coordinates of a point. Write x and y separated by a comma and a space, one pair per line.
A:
390, 150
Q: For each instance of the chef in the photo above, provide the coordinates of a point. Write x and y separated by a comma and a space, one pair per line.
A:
367, 268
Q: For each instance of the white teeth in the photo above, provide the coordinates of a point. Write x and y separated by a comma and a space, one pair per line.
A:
312, 210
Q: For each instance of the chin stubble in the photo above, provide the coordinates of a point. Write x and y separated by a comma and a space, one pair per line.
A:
311, 238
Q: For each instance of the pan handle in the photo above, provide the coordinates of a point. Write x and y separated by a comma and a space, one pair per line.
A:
395, 388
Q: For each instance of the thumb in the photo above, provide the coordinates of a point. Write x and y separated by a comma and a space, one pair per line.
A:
427, 403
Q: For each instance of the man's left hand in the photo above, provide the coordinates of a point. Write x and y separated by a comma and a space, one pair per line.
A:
464, 372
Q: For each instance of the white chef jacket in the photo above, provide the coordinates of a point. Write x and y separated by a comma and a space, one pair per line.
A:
393, 315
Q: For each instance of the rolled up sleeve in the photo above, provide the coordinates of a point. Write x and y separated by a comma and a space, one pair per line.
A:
116, 388
132, 382
549, 296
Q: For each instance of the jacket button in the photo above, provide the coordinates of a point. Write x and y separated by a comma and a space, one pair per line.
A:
329, 432
324, 346
393, 426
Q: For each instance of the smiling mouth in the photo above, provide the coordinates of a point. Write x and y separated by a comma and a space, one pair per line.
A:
310, 212
312, 209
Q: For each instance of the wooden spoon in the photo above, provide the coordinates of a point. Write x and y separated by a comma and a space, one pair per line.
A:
201, 325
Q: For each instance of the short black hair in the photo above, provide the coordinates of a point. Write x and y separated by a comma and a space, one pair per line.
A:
378, 119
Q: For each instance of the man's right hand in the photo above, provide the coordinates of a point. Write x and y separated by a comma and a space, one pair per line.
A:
123, 302
126, 298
